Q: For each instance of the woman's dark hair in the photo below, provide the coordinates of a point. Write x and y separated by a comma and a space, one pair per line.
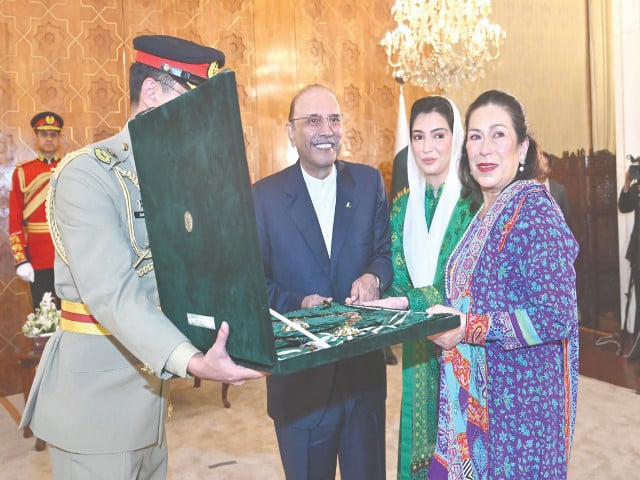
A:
139, 71
430, 104
519, 122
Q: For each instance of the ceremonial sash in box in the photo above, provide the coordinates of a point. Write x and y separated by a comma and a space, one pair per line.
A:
194, 180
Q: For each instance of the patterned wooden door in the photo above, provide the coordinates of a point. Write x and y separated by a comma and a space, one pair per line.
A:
590, 181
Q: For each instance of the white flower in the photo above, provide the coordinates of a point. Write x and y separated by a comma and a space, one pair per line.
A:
45, 319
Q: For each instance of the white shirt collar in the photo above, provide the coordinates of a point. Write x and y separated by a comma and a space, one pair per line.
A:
323, 196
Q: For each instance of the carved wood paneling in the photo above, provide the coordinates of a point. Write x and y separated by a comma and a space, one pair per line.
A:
593, 218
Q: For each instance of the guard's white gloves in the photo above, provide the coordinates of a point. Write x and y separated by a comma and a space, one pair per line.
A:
25, 272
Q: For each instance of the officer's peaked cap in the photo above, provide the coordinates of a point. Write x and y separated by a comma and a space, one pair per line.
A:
183, 59
47, 121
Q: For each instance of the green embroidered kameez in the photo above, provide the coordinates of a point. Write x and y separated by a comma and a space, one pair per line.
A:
420, 369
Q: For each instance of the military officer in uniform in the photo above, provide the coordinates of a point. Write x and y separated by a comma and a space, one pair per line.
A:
28, 231
99, 398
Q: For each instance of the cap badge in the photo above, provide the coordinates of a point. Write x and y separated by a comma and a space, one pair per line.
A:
213, 69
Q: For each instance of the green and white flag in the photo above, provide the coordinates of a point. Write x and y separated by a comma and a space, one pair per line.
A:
399, 176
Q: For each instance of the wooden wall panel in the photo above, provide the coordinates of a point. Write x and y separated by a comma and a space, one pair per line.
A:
275, 80
589, 179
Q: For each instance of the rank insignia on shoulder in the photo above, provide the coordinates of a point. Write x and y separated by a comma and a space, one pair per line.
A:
102, 155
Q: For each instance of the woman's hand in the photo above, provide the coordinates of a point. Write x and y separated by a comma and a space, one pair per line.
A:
395, 303
450, 338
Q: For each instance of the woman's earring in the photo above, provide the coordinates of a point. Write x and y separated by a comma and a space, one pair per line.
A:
521, 169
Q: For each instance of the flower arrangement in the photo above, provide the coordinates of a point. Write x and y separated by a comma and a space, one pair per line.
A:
45, 320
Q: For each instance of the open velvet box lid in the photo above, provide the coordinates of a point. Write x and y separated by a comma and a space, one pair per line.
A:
194, 180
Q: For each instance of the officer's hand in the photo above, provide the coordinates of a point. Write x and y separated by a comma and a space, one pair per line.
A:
217, 365
25, 272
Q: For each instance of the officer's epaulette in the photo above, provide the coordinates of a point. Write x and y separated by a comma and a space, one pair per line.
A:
112, 152
67, 159
105, 155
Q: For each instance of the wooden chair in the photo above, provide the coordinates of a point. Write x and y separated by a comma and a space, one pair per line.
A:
225, 390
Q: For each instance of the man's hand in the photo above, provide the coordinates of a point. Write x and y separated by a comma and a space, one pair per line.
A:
313, 300
363, 289
451, 338
217, 365
395, 303
25, 272
627, 181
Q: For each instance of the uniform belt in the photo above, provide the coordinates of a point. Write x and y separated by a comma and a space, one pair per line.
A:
37, 227
77, 318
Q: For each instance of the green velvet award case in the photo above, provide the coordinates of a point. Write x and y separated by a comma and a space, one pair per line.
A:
195, 186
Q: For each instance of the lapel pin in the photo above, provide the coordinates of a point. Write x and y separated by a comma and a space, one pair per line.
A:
348, 205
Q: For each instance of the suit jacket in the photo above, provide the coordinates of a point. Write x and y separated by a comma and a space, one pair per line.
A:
559, 194
296, 264
98, 394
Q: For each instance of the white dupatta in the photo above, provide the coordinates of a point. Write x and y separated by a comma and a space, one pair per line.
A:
421, 244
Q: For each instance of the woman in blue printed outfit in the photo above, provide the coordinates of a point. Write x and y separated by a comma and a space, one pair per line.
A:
508, 383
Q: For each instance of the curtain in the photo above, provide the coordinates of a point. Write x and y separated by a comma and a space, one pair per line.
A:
603, 126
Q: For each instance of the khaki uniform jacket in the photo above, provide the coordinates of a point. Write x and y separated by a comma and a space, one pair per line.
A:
95, 393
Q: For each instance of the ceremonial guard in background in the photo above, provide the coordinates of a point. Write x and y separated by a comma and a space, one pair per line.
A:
30, 238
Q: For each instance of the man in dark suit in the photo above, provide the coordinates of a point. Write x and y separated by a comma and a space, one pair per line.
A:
629, 201
324, 232
556, 189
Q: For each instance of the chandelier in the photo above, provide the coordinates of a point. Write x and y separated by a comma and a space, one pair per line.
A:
439, 43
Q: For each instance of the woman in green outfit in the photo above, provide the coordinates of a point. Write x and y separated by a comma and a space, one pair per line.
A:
427, 220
